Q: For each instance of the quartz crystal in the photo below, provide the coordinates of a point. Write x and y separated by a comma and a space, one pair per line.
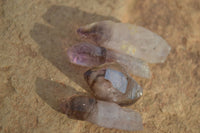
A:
117, 79
111, 84
128, 39
105, 114
86, 54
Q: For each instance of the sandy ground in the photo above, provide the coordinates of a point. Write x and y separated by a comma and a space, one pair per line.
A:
34, 36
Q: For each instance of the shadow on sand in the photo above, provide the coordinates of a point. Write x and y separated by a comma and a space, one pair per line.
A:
54, 93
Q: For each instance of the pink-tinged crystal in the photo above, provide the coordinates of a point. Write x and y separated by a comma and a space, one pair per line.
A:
85, 54
89, 55
128, 39
105, 114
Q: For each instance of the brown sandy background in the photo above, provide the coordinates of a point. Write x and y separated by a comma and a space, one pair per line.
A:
34, 35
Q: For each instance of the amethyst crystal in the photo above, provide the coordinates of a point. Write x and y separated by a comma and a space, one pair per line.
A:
105, 114
128, 39
85, 54
89, 55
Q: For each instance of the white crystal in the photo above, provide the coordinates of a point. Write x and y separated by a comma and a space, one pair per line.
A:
129, 39
111, 115
132, 65
117, 79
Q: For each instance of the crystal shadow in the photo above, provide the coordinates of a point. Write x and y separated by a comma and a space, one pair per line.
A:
53, 93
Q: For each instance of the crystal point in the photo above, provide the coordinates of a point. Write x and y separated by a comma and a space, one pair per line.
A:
89, 55
85, 54
128, 39
105, 114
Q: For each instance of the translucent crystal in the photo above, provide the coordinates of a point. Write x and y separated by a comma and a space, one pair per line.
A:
105, 114
132, 65
117, 79
81, 107
85, 54
128, 39
111, 84
89, 55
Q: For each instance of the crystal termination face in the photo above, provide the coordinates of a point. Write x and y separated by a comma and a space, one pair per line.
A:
117, 79
85, 54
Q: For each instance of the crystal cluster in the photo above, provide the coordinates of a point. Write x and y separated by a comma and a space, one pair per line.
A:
129, 48
113, 52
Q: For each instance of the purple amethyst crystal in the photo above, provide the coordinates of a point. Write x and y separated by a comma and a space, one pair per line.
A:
89, 55
85, 54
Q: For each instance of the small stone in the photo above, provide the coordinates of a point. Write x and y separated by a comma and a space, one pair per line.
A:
111, 84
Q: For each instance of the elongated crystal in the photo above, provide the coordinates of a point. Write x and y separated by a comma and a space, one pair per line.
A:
128, 39
86, 108
105, 114
89, 55
85, 54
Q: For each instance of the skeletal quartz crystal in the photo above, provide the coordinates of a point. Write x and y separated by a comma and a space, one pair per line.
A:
128, 39
109, 83
106, 114
86, 54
